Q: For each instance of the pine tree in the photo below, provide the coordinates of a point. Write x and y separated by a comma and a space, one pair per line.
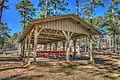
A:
94, 4
3, 6
111, 22
4, 34
77, 8
26, 10
89, 8
52, 7
43, 7
59, 6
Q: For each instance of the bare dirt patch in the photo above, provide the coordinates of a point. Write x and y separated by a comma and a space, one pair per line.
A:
104, 70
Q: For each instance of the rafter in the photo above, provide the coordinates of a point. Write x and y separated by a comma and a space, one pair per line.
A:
39, 31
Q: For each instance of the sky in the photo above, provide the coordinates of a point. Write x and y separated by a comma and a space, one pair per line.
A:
12, 16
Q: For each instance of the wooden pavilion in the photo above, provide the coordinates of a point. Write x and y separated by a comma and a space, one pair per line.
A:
55, 29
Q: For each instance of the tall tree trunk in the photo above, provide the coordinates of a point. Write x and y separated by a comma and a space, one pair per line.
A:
46, 13
1, 9
77, 11
114, 43
86, 44
114, 31
98, 44
24, 23
117, 45
91, 13
54, 6
111, 44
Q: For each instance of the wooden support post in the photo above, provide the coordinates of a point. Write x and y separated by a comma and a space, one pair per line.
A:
68, 49
29, 38
50, 47
25, 47
91, 49
67, 36
86, 44
56, 45
74, 44
53, 47
32, 46
35, 44
45, 47
78, 47
22, 50
63, 42
36, 34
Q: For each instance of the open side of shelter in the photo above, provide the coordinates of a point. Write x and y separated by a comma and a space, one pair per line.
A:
55, 29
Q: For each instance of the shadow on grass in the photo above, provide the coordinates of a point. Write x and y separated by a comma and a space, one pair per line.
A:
97, 60
19, 77
9, 78
67, 71
4, 69
112, 77
30, 77
9, 59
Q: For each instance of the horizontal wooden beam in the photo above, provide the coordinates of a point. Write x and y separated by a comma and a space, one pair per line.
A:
48, 38
52, 34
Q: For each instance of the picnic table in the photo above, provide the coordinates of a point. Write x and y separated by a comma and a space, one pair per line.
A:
51, 54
